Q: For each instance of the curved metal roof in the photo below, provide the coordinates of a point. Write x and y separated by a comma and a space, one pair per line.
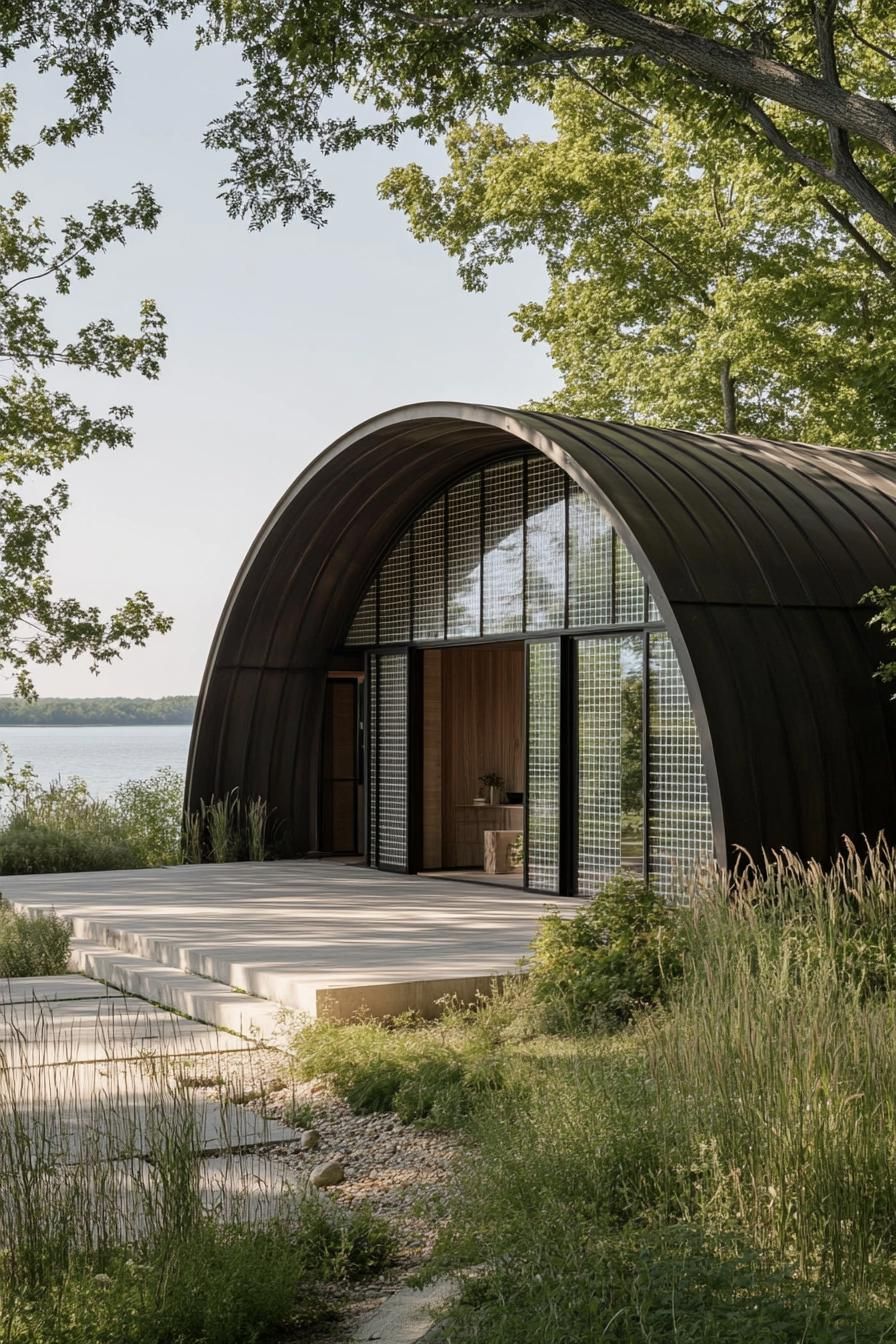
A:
757, 553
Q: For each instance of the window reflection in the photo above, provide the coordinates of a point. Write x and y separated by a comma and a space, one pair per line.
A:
631, 752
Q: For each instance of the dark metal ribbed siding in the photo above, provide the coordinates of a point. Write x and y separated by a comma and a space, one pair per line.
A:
757, 553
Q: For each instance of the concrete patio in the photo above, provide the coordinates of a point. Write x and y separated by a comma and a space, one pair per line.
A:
322, 938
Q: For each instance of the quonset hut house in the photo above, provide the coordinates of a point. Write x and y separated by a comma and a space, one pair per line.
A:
494, 643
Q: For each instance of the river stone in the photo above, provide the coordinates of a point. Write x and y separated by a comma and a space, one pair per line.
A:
328, 1173
309, 1139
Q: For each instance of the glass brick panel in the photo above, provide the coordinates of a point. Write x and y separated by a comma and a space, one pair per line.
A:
502, 561
392, 759
590, 561
600, 735
395, 594
653, 611
545, 546
680, 821
372, 734
631, 752
363, 627
429, 573
543, 765
610, 746
629, 585
464, 569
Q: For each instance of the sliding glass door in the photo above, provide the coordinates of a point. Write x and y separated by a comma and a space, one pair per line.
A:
388, 760
542, 847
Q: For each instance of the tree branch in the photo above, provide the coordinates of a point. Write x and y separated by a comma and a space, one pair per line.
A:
42, 275
608, 98
676, 265
842, 218
846, 173
872, 46
823, 23
756, 75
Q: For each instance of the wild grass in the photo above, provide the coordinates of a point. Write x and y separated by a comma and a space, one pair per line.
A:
721, 1168
62, 827
110, 1233
32, 946
429, 1072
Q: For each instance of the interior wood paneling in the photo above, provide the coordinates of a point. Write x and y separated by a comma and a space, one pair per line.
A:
482, 731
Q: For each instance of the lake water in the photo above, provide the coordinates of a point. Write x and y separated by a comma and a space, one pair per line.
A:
104, 757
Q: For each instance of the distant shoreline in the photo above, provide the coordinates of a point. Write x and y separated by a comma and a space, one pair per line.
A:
99, 712
101, 723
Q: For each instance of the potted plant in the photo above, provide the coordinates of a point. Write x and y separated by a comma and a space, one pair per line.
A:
494, 783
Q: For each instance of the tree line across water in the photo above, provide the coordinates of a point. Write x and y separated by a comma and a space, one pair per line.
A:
115, 711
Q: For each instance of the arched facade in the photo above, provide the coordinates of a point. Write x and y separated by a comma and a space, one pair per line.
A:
604, 581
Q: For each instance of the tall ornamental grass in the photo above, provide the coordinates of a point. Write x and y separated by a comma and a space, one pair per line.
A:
776, 1066
724, 1168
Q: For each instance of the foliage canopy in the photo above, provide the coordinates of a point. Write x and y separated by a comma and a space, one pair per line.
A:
689, 285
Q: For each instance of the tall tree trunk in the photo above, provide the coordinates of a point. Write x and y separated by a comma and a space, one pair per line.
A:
729, 397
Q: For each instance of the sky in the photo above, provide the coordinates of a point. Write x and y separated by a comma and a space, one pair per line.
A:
279, 342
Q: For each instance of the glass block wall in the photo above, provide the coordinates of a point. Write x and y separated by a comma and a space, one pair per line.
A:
543, 764
517, 548
599, 733
388, 759
609, 755
679, 817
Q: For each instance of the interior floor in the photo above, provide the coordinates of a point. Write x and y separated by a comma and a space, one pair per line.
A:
478, 875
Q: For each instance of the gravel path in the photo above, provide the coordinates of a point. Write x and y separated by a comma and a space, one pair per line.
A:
403, 1173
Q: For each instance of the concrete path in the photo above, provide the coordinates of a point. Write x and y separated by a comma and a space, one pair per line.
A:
79, 1030
93, 1093
406, 1317
316, 937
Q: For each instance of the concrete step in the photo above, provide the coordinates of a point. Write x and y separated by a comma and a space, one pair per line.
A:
167, 953
205, 1000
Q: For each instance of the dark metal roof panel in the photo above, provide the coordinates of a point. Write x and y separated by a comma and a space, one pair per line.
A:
757, 552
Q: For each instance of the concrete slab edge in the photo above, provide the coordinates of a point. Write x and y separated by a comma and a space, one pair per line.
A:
208, 1001
407, 1316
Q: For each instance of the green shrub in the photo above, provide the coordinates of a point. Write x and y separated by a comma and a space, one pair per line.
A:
424, 1072
36, 847
614, 954
32, 946
150, 813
